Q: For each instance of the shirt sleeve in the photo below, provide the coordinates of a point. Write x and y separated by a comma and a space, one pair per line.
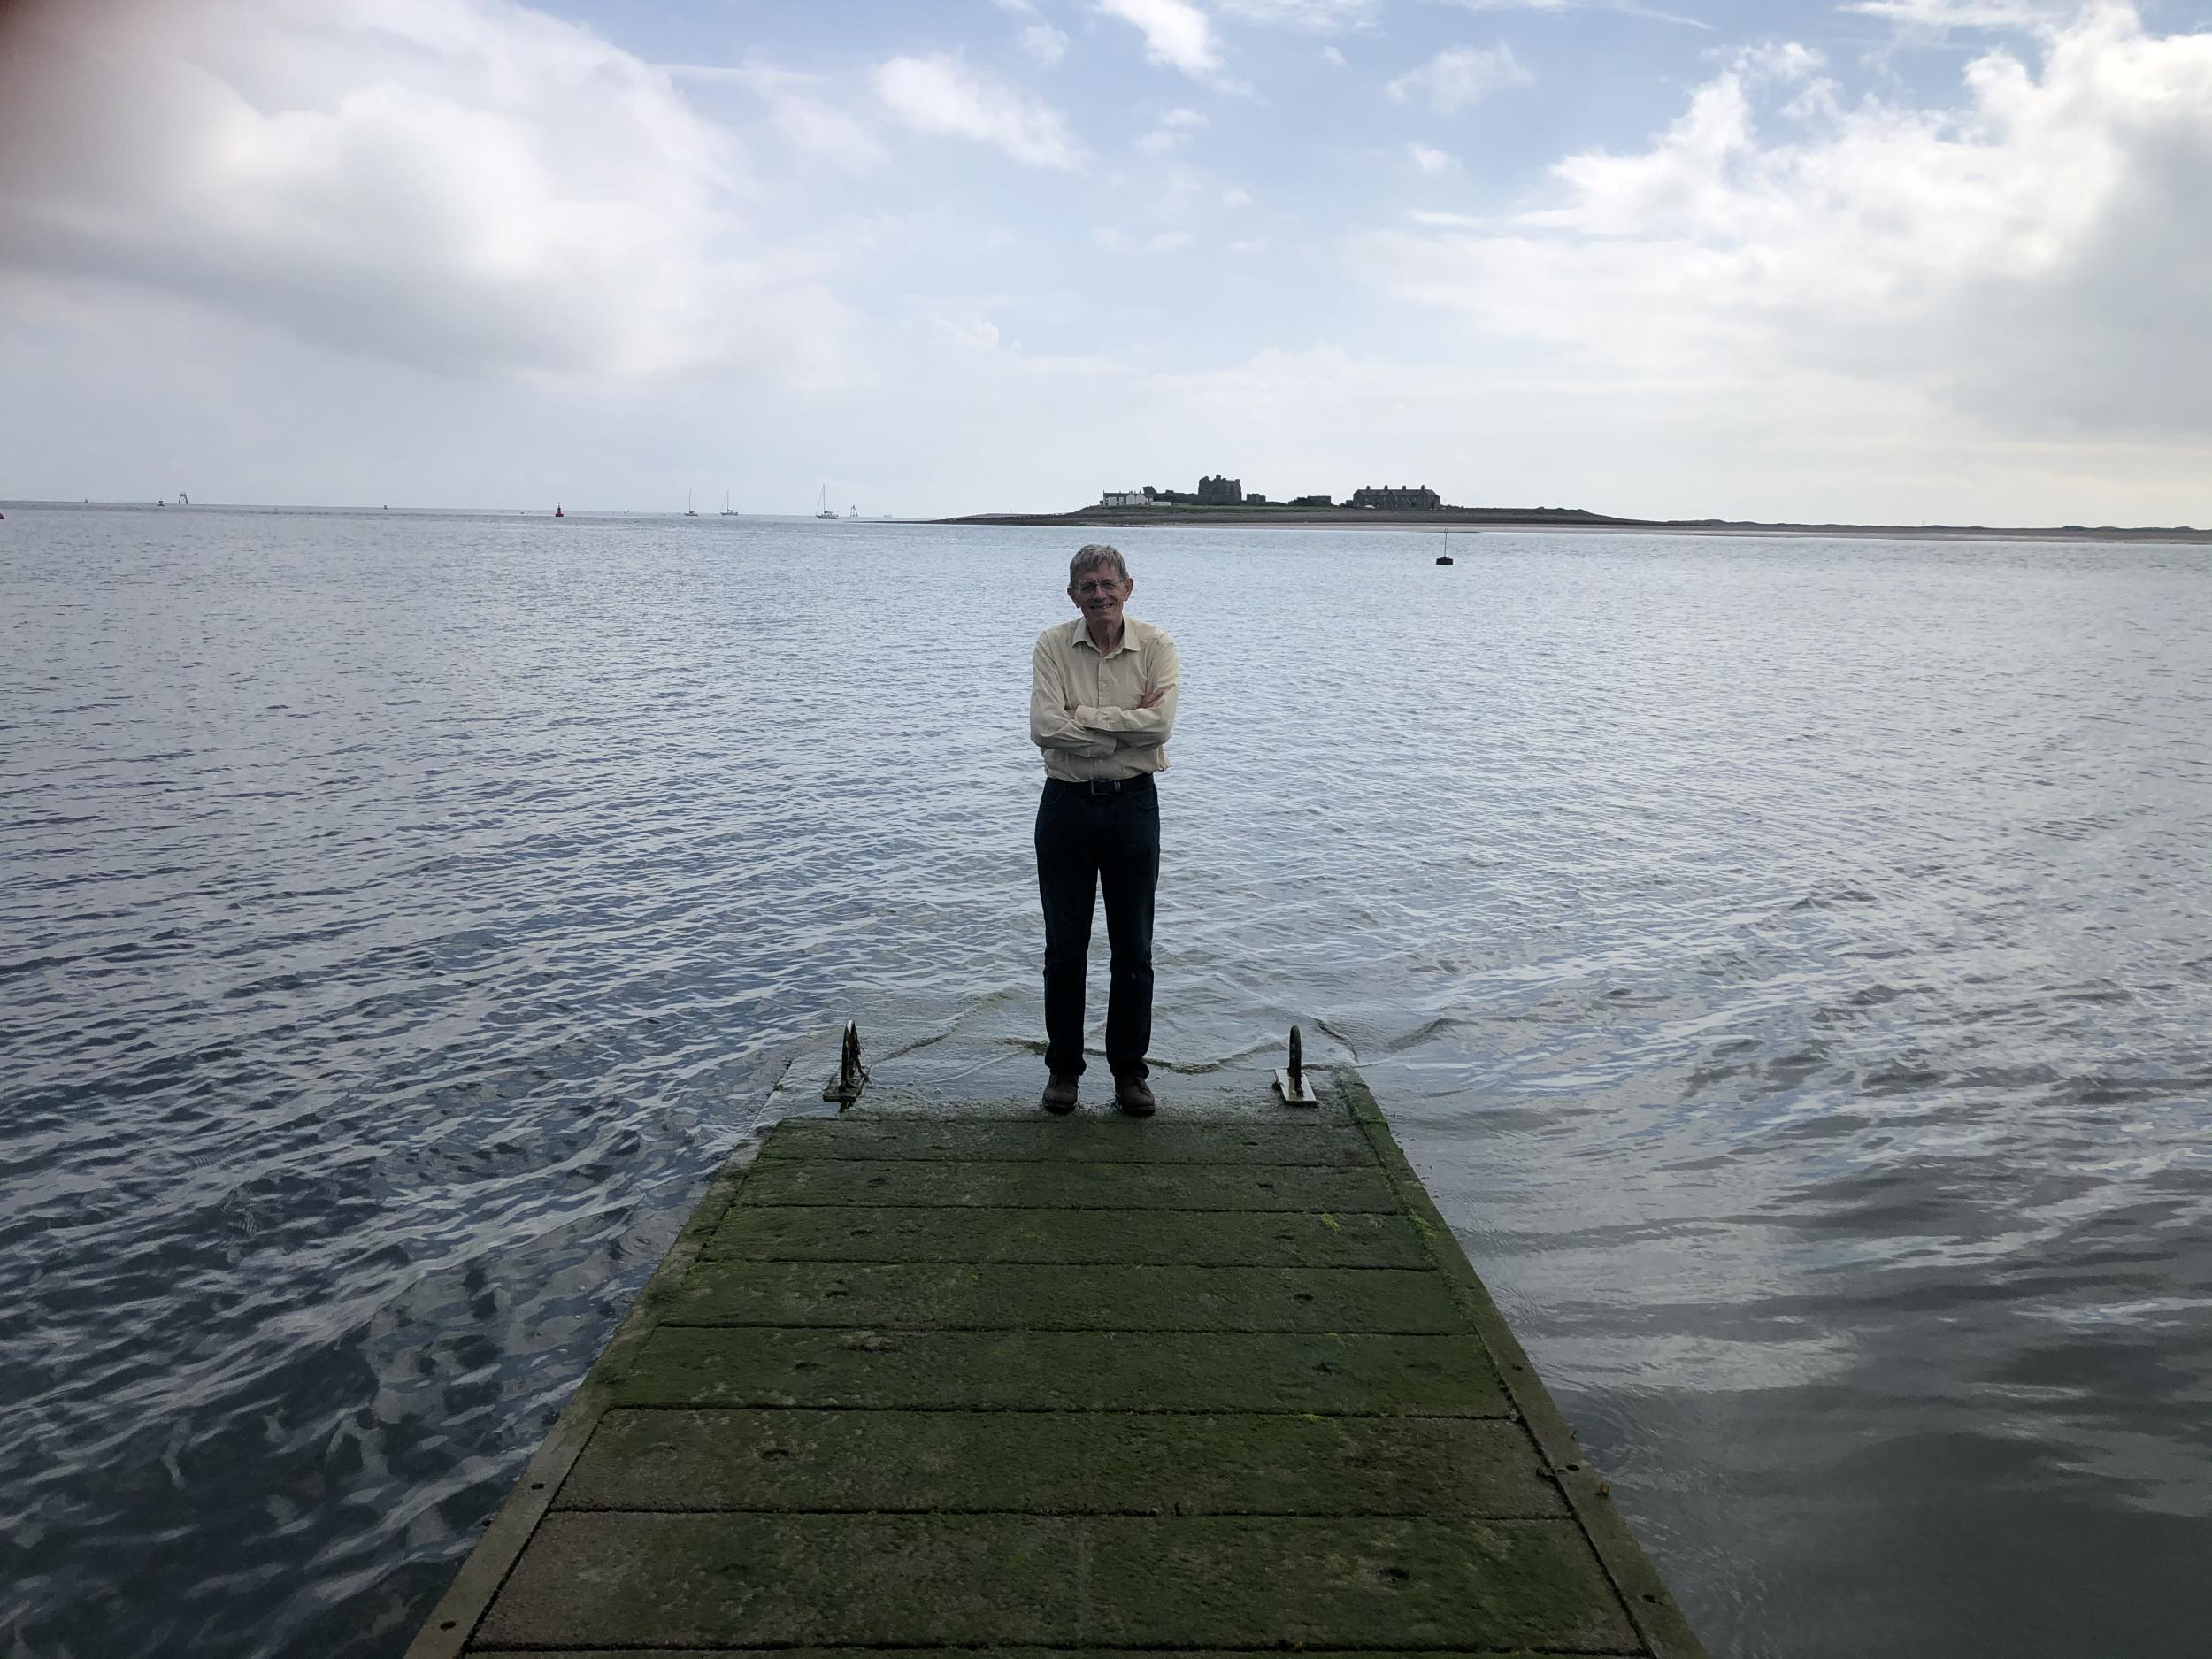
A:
1144, 728
1050, 725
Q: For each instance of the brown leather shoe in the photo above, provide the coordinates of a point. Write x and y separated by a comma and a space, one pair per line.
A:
1133, 1096
1059, 1094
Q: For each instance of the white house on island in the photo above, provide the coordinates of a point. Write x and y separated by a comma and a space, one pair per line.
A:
1123, 498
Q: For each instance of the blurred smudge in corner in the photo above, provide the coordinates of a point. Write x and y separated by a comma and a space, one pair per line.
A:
36, 39
75, 110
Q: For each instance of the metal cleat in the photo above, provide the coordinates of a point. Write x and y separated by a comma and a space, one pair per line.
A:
1295, 1083
852, 1077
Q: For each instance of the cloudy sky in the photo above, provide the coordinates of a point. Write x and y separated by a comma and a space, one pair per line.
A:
1896, 260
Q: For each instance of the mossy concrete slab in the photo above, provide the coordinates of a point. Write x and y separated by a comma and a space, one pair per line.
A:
808, 1232
1017, 1653
1061, 1462
1227, 1096
1020, 1652
622, 1577
1046, 1140
1064, 1370
1035, 1186
1020, 1386
957, 1295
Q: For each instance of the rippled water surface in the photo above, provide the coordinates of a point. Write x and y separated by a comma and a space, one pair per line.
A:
1789, 962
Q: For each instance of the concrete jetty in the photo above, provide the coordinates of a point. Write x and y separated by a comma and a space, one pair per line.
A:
978, 1378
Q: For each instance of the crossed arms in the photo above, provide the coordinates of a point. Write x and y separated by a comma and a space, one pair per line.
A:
1058, 721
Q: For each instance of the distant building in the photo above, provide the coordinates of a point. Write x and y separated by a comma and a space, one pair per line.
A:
1125, 498
1220, 492
1399, 496
1255, 499
1311, 501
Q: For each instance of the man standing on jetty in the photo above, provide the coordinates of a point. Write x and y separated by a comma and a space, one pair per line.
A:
1101, 703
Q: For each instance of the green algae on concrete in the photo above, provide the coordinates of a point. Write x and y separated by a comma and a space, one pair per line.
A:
1024, 1653
987, 1296
1065, 1462
1064, 1370
1189, 1238
1028, 1184
1078, 1140
772, 1581
987, 1384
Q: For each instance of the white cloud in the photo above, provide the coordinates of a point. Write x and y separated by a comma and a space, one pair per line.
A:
1435, 163
1334, 58
1116, 239
1236, 196
941, 96
1045, 43
465, 186
1630, 8
1172, 131
1459, 78
819, 129
801, 111
1938, 15
975, 333
1315, 17
2038, 255
1042, 42
1176, 33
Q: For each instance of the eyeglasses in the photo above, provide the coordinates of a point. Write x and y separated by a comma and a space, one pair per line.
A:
1098, 588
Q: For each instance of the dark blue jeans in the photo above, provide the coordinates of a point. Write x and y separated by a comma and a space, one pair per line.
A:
1085, 843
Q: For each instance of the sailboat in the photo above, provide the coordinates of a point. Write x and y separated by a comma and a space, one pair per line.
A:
687, 512
823, 511
727, 512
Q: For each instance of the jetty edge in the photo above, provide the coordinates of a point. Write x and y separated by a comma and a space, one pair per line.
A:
959, 1376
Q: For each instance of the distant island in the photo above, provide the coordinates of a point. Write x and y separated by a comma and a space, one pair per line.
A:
1221, 500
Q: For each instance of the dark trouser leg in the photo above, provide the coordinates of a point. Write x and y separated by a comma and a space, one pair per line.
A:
1067, 882
1129, 870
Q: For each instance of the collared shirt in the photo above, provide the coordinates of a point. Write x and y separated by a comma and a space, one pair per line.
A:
1108, 735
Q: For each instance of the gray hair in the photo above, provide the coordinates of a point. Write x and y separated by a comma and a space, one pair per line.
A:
1097, 555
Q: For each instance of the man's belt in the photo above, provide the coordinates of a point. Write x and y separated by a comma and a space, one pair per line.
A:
1102, 786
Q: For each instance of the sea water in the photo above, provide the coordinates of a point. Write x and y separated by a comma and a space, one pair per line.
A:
1788, 961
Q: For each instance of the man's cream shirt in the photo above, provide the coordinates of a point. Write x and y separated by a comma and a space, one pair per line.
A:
1108, 735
